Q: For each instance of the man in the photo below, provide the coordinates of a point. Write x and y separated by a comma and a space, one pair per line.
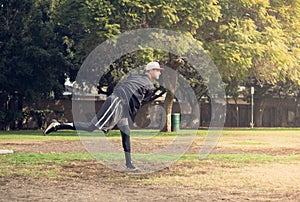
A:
126, 99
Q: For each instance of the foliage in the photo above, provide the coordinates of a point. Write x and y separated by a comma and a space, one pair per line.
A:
31, 63
252, 42
255, 42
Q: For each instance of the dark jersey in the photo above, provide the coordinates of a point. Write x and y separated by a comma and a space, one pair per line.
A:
135, 91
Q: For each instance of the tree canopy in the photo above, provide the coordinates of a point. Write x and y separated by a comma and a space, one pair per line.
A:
255, 42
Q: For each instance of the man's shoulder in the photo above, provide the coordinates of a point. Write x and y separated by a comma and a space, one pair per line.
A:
140, 80
137, 77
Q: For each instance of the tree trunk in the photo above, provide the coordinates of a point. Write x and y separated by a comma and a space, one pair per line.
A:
20, 109
168, 105
237, 113
258, 112
170, 77
7, 107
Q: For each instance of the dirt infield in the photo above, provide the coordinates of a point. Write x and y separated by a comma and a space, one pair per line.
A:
210, 180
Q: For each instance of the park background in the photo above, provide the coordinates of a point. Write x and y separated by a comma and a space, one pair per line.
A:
253, 43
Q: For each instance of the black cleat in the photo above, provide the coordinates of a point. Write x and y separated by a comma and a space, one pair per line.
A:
52, 127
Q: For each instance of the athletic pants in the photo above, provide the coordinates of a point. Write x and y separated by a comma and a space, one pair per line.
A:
111, 113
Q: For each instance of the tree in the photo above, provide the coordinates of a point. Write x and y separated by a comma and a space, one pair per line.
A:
255, 40
97, 21
252, 42
83, 25
184, 16
31, 63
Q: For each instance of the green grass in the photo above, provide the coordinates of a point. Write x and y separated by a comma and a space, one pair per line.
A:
244, 158
257, 158
67, 165
73, 135
228, 158
36, 159
37, 165
262, 129
37, 135
139, 156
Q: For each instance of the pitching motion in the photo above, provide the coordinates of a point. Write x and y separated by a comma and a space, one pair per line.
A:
122, 105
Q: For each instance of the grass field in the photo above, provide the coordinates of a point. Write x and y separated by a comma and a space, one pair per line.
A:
245, 165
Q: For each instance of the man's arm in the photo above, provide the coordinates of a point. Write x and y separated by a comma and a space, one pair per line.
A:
152, 95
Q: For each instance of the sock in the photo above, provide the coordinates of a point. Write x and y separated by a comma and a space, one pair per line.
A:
69, 126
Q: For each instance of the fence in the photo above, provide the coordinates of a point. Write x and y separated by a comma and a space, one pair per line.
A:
271, 112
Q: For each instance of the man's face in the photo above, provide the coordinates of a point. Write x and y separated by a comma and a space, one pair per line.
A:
155, 74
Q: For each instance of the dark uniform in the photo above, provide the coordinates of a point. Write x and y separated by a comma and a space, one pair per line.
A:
121, 107
126, 100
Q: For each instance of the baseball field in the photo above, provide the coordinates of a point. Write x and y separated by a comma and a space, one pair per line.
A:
245, 165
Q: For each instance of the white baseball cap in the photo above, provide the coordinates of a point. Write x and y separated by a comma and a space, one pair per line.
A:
153, 65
